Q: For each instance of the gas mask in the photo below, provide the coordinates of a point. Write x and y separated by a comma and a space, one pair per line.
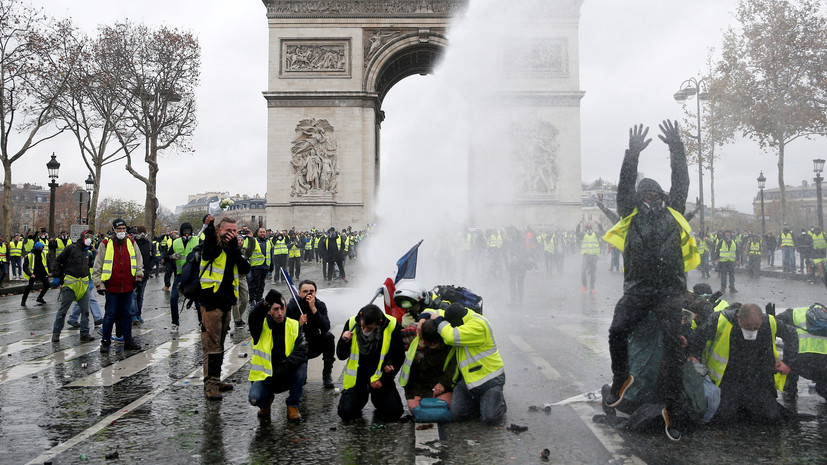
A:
749, 335
87, 242
121, 235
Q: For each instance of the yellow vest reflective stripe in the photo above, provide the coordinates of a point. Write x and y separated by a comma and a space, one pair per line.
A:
718, 355
2, 252
61, 244
689, 248
108, 259
213, 273
722, 304
16, 248
352, 367
727, 252
178, 247
295, 252
787, 240
78, 285
157, 248
261, 364
548, 246
807, 343
818, 242
590, 246
280, 247
755, 248
258, 258
480, 362
308, 243
703, 247
405, 373
496, 240
31, 264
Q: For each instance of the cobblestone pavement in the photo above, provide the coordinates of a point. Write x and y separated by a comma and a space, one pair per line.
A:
67, 403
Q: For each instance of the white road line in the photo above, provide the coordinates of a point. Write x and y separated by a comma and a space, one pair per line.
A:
34, 366
48, 313
106, 421
424, 443
536, 359
232, 364
122, 369
610, 440
24, 344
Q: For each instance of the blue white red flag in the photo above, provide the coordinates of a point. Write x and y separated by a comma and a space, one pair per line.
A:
290, 286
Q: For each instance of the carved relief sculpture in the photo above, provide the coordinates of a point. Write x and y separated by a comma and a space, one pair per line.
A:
315, 171
535, 154
345, 7
314, 57
542, 57
375, 41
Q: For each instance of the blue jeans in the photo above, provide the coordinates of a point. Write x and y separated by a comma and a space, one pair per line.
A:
138, 302
488, 404
262, 392
173, 299
66, 298
788, 254
3, 271
94, 306
118, 307
17, 266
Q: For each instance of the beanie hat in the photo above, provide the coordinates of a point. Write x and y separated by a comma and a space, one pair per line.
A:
118, 223
455, 314
273, 296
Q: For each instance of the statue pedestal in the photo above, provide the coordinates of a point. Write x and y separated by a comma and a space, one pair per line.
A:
314, 196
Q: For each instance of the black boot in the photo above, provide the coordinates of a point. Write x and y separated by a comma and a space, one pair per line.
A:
327, 372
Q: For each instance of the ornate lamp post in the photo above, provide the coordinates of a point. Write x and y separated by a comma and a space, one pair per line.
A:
90, 185
687, 90
818, 167
53, 166
762, 182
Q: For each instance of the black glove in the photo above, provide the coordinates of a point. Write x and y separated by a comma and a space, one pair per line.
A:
716, 298
770, 308
101, 291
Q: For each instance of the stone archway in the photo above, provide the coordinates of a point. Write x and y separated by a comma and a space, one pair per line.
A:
331, 63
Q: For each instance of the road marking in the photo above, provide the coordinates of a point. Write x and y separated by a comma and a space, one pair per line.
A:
97, 427
34, 366
122, 369
24, 344
196, 378
536, 359
426, 442
47, 313
612, 441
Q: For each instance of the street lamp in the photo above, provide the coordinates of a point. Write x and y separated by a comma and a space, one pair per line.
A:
90, 185
818, 167
687, 90
53, 166
762, 182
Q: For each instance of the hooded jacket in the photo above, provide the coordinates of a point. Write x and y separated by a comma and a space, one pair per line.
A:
652, 258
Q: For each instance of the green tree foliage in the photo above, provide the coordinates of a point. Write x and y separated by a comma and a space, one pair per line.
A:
773, 74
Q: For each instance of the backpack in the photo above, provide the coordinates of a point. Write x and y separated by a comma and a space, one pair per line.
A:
190, 281
448, 294
817, 320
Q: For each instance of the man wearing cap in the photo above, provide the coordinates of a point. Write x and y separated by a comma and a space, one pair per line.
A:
177, 255
311, 313
36, 268
334, 253
118, 266
71, 269
658, 250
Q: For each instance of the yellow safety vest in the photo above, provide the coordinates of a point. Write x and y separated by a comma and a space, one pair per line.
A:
295, 252
703, 247
28, 246
755, 248
818, 241
689, 248
352, 366
79, 286
280, 247
496, 241
16, 248
548, 245
807, 343
478, 359
178, 247
31, 264
718, 356
212, 278
787, 240
61, 244
308, 243
258, 258
590, 246
727, 253
405, 374
2, 252
261, 364
109, 256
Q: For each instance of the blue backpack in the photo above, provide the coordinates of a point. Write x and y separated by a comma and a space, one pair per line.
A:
431, 410
448, 294
817, 320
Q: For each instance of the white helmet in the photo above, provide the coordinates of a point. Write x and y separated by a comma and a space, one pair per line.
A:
409, 293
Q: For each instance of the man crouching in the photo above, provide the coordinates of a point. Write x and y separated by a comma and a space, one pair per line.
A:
279, 361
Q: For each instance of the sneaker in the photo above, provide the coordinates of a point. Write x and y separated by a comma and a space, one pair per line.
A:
23, 304
86, 338
140, 320
293, 414
104, 347
73, 324
593, 291
732, 290
584, 289
40, 301
55, 337
98, 323
117, 340
671, 432
166, 288
613, 398
264, 412
174, 329
100, 331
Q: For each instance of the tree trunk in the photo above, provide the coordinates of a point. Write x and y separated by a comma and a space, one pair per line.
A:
6, 196
781, 184
149, 202
93, 206
712, 197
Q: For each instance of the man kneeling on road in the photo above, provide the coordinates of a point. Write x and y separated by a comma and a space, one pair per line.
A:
311, 313
279, 360
480, 389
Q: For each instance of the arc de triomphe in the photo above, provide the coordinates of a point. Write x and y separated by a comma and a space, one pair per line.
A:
331, 63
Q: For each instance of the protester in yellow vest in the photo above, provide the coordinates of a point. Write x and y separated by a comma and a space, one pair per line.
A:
590, 249
658, 249
279, 361
4, 259
16, 256
819, 251
371, 342
788, 250
811, 361
177, 254
744, 362
36, 268
71, 269
280, 255
428, 370
727, 253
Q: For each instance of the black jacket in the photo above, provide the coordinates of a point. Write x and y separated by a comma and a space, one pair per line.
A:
145, 246
225, 297
318, 324
282, 363
652, 258
74, 260
369, 362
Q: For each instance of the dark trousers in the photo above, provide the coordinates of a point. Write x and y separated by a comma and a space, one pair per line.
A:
788, 258
118, 307
295, 268
727, 269
487, 404
173, 300
169, 269
629, 312
385, 400
256, 282
771, 257
588, 267
704, 265
324, 345
17, 267
754, 265
44, 281
262, 392
339, 263
279, 261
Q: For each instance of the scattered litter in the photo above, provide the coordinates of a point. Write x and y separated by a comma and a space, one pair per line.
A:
83, 458
332, 428
242, 355
547, 408
84, 365
111, 455
545, 454
533, 408
471, 442
377, 426
517, 428
425, 426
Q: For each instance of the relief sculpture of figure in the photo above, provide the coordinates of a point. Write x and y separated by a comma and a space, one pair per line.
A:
536, 157
314, 158
376, 42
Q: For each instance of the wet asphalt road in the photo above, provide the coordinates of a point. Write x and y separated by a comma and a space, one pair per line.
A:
61, 402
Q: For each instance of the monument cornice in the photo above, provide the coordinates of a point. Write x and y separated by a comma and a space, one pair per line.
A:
535, 98
363, 8
322, 99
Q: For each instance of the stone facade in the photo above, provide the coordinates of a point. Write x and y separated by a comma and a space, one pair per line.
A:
331, 62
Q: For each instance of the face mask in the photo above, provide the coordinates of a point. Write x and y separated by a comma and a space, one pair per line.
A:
121, 235
749, 335
87, 241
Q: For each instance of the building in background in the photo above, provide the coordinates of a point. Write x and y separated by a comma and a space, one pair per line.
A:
248, 210
29, 208
802, 207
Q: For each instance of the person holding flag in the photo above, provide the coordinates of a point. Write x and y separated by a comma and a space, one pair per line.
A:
311, 313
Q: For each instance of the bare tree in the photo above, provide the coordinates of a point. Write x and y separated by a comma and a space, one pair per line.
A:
160, 70
773, 74
36, 57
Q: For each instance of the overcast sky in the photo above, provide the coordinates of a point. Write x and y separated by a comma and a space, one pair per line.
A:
633, 57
